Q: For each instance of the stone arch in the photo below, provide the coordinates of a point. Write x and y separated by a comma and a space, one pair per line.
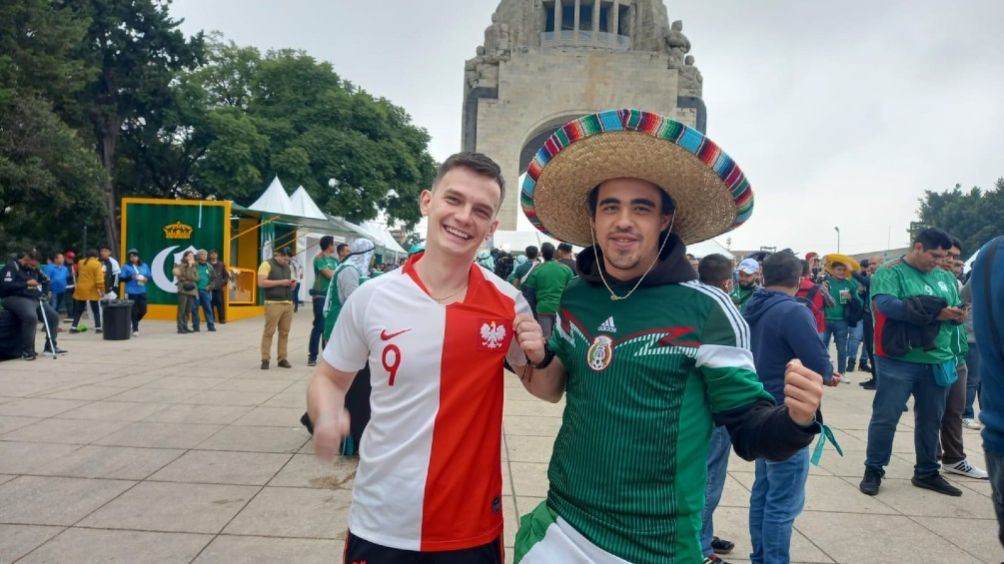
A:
539, 133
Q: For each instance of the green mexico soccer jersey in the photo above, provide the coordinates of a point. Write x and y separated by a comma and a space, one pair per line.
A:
644, 376
901, 280
741, 295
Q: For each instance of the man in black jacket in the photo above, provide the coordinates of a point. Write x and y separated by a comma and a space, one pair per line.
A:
23, 288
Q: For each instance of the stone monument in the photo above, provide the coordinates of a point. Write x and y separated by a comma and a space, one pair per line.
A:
545, 62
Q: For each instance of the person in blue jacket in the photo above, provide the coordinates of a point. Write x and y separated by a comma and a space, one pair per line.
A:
782, 331
136, 274
988, 324
58, 275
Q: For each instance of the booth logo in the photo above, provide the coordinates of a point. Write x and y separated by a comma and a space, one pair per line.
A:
178, 230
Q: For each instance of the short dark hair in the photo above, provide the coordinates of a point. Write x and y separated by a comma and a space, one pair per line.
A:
286, 251
956, 242
547, 250
532, 252
565, 247
666, 203
477, 163
326, 242
341, 246
933, 238
865, 263
714, 269
782, 269
32, 254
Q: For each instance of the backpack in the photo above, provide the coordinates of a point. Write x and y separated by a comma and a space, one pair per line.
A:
808, 299
530, 294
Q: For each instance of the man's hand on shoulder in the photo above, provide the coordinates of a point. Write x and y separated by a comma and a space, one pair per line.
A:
803, 391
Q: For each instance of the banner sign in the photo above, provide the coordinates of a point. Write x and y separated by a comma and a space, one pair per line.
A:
162, 230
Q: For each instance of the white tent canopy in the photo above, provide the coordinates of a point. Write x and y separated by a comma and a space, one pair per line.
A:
274, 200
709, 247
382, 238
303, 205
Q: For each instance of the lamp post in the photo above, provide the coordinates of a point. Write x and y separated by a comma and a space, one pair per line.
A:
837, 229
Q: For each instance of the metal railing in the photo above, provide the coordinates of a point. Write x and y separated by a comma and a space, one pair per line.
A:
581, 38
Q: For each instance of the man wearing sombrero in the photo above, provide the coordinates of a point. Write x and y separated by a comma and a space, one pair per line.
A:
650, 359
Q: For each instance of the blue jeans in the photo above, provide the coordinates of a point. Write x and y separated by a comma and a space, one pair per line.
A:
205, 299
837, 328
899, 380
855, 335
995, 467
777, 498
718, 465
973, 383
317, 330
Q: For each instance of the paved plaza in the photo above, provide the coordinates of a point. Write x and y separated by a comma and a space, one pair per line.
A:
178, 448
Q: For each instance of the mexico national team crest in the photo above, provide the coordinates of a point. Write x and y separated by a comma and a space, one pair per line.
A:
600, 353
492, 336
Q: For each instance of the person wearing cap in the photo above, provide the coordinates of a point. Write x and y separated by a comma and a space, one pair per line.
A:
647, 358
135, 274
276, 277
23, 291
749, 273
204, 285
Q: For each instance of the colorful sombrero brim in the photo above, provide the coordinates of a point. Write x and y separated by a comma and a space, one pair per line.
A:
711, 193
828, 261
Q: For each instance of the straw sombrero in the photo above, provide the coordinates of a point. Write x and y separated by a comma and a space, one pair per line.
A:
847, 261
711, 193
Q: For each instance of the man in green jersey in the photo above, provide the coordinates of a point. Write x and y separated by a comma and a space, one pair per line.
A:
843, 288
648, 358
548, 281
325, 264
749, 273
916, 309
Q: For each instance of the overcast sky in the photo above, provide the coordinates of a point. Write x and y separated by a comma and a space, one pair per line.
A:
840, 113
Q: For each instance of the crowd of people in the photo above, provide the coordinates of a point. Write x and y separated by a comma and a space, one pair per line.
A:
654, 352
667, 362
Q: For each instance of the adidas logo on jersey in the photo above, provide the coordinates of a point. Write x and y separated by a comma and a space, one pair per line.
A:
608, 326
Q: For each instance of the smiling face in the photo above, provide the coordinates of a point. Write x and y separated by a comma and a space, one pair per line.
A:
462, 210
627, 222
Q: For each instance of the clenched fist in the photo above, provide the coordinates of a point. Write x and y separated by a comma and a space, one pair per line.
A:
530, 337
803, 390
329, 430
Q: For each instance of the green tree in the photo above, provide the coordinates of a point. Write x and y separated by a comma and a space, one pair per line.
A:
974, 216
49, 177
138, 51
289, 115
49, 181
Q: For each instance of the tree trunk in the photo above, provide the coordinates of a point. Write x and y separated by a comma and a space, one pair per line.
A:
109, 139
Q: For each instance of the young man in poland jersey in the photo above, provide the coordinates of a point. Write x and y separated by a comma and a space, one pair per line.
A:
436, 334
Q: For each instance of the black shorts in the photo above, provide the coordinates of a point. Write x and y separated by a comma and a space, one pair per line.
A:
359, 551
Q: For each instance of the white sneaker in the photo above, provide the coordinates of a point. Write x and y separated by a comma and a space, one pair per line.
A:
964, 468
135, 333
971, 424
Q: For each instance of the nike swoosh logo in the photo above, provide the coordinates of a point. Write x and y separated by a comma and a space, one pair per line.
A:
385, 336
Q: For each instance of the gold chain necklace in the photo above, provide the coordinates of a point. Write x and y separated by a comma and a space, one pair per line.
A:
613, 295
444, 298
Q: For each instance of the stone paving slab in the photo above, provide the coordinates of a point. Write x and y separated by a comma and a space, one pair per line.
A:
178, 448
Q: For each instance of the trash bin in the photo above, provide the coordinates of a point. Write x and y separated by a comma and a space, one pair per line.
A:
117, 317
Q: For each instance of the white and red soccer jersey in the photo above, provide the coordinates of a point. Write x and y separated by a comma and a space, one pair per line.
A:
429, 474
